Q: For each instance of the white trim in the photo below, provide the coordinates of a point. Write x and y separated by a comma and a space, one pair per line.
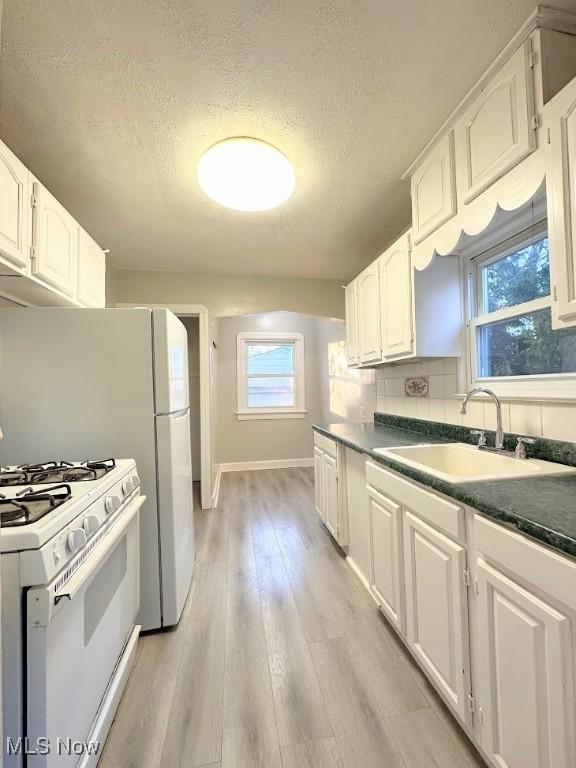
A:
249, 466
200, 311
270, 413
244, 412
216, 488
361, 576
557, 387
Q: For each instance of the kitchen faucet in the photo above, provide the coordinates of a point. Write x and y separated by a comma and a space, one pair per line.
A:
499, 442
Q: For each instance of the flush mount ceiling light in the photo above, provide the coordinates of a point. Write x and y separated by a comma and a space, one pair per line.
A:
246, 174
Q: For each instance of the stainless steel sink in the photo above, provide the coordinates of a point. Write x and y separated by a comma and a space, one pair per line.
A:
461, 463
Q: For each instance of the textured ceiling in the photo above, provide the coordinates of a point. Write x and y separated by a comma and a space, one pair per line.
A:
111, 103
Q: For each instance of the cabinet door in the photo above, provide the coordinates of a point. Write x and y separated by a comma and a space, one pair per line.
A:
319, 482
433, 189
369, 315
525, 681
561, 201
91, 271
496, 132
331, 495
352, 351
437, 609
14, 210
55, 239
396, 299
386, 578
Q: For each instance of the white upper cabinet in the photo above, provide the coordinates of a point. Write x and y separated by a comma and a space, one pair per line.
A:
55, 243
91, 271
497, 130
369, 315
352, 351
561, 199
14, 210
395, 273
433, 189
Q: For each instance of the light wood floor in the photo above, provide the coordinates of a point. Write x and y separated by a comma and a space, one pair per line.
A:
281, 659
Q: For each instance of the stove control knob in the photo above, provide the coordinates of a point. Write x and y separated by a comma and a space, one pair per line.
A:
135, 481
76, 540
111, 504
91, 524
127, 487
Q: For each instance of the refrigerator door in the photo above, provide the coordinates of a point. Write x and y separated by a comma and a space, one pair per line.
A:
170, 362
175, 512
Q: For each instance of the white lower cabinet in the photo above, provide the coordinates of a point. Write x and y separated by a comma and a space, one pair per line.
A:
525, 644
386, 572
328, 500
437, 609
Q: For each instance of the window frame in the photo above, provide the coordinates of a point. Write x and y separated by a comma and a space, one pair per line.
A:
244, 411
542, 386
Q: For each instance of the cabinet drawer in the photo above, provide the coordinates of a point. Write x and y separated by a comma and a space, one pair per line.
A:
552, 572
439, 512
325, 444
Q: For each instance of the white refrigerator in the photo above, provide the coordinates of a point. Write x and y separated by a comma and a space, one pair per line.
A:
109, 383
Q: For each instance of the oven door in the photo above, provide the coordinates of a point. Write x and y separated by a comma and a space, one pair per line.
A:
76, 632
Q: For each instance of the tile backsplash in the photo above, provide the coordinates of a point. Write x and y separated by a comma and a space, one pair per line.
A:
553, 420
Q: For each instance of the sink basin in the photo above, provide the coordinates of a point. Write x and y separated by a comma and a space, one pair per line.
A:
461, 463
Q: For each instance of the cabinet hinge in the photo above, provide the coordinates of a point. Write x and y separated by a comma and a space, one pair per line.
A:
548, 139
467, 579
535, 122
554, 293
409, 243
34, 196
32, 252
471, 701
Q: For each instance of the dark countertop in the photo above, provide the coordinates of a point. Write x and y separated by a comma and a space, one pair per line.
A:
541, 507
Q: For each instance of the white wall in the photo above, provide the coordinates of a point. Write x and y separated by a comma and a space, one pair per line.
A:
343, 390
266, 439
226, 295
552, 420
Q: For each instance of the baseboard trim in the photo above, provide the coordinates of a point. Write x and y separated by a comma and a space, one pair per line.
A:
216, 489
247, 466
359, 574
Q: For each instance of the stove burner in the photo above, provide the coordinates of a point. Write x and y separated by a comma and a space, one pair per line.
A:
55, 472
29, 506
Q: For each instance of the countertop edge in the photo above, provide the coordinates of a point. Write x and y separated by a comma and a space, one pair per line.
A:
556, 540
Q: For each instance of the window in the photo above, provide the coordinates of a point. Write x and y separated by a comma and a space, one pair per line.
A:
512, 342
270, 375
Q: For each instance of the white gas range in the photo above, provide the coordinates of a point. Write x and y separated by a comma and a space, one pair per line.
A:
69, 548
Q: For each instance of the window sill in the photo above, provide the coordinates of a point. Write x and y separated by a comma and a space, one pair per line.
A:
270, 414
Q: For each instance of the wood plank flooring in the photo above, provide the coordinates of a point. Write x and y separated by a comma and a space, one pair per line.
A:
281, 659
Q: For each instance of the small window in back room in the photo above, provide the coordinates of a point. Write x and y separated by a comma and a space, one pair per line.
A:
270, 375
511, 334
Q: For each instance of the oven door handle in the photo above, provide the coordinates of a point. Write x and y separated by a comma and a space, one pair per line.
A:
43, 603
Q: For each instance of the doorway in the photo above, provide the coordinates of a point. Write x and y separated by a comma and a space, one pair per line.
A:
193, 329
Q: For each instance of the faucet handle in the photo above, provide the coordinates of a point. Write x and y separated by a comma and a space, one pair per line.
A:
481, 437
521, 443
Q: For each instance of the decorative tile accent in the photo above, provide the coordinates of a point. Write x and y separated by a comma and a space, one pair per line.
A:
418, 386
